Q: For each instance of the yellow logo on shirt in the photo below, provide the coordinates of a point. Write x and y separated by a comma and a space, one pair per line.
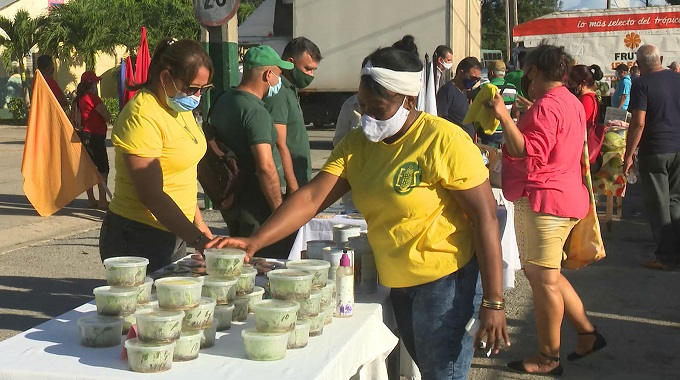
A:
406, 178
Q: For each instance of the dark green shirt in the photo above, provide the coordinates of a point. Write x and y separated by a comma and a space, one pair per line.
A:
285, 109
241, 121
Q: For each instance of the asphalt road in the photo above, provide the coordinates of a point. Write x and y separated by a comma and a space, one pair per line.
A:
50, 265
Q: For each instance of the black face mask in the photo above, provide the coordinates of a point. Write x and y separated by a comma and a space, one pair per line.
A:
524, 84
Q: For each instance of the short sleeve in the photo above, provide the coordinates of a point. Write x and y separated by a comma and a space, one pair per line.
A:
139, 136
259, 127
638, 97
540, 136
278, 108
95, 100
336, 164
461, 166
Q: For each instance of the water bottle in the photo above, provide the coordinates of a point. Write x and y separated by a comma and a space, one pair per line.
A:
632, 175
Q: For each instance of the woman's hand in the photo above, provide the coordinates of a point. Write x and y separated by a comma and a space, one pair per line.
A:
492, 330
497, 106
246, 244
524, 102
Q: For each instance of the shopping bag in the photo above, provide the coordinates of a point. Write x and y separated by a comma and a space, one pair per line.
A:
584, 244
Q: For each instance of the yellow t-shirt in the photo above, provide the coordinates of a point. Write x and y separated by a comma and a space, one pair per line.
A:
145, 128
416, 228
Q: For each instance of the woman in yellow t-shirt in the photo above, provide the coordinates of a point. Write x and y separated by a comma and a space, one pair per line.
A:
422, 186
158, 144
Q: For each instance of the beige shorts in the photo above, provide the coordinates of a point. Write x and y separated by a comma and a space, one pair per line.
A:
540, 237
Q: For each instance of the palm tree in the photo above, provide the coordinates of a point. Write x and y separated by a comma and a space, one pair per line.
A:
19, 38
78, 29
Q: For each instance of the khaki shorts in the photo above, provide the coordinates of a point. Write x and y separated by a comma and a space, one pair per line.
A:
540, 237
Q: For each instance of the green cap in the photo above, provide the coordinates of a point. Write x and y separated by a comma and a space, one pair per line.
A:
264, 55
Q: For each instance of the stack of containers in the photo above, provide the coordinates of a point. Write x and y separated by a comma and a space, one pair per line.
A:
224, 267
313, 308
275, 324
365, 272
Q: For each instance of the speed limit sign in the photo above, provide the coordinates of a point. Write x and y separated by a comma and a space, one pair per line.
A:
215, 12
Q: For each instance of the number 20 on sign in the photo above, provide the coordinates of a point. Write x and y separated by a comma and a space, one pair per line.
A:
215, 12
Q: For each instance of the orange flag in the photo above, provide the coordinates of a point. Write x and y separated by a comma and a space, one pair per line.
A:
55, 166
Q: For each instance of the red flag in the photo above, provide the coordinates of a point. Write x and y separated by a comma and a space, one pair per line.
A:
55, 166
129, 81
143, 60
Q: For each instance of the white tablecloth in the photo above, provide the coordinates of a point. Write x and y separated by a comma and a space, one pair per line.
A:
322, 229
52, 350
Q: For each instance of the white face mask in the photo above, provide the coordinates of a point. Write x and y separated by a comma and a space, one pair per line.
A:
447, 65
378, 130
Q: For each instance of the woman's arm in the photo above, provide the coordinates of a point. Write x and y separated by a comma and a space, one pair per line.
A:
298, 209
479, 205
101, 109
147, 177
512, 137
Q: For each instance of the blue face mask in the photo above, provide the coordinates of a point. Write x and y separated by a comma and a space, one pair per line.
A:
273, 90
181, 102
469, 83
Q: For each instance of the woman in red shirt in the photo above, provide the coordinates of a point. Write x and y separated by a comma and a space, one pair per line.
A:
581, 82
93, 119
542, 176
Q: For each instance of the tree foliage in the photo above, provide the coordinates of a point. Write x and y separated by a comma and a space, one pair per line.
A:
493, 18
19, 38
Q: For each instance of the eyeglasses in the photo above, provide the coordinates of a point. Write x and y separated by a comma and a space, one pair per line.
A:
202, 90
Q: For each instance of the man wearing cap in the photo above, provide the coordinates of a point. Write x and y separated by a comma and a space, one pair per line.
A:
293, 141
621, 96
675, 66
508, 91
46, 66
243, 124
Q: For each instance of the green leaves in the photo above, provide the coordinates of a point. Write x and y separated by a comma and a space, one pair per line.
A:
493, 18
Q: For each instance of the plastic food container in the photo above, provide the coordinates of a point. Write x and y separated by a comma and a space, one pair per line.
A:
178, 293
318, 267
275, 315
144, 296
222, 289
328, 314
99, 331
186, 348
342, 232
148, 357
159, 326
316, 327
199, 317
265, 346
290, 284
311, 306
246, 280
240, 308
315, 248
328, 294
254, 296
208, 337
223, 313
224, 261
299, 337
115, 301
125, 270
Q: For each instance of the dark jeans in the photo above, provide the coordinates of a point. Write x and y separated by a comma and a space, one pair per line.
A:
245, 218
431, 319
121, 236
660, 176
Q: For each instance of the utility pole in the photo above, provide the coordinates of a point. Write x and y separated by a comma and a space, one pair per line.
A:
511, 21
609, 4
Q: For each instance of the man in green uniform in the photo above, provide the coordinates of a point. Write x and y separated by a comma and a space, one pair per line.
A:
284, 107
242, 123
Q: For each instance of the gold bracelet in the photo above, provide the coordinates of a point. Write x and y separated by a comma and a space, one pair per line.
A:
495, 305
201, 223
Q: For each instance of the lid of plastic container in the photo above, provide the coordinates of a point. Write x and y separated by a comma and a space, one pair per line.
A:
230, 306
315, 293
136, 343
206, 302
254, 334
280, 305
178, 281
227, 280
302, 323
344, 260
117, 290
320, 242
346, 227
293, 274
159, 314
224, 251
100, 320
126, 261
188, 335
257, 290
148, 280
248, 270
308, 263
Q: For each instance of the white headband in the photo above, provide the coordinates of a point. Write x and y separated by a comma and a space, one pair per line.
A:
401, 82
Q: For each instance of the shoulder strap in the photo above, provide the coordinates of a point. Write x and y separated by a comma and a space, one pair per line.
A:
212, 106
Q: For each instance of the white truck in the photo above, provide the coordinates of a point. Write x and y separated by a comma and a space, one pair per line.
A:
605, 37
346, 31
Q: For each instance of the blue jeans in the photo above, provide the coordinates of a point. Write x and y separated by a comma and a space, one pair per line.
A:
431, 319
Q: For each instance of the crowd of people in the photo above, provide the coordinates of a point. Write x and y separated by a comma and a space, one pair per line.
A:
418, 179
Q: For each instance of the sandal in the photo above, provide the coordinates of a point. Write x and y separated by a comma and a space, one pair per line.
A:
518, 366
599, 344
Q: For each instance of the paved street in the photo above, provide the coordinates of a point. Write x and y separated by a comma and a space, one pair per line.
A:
50, 265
